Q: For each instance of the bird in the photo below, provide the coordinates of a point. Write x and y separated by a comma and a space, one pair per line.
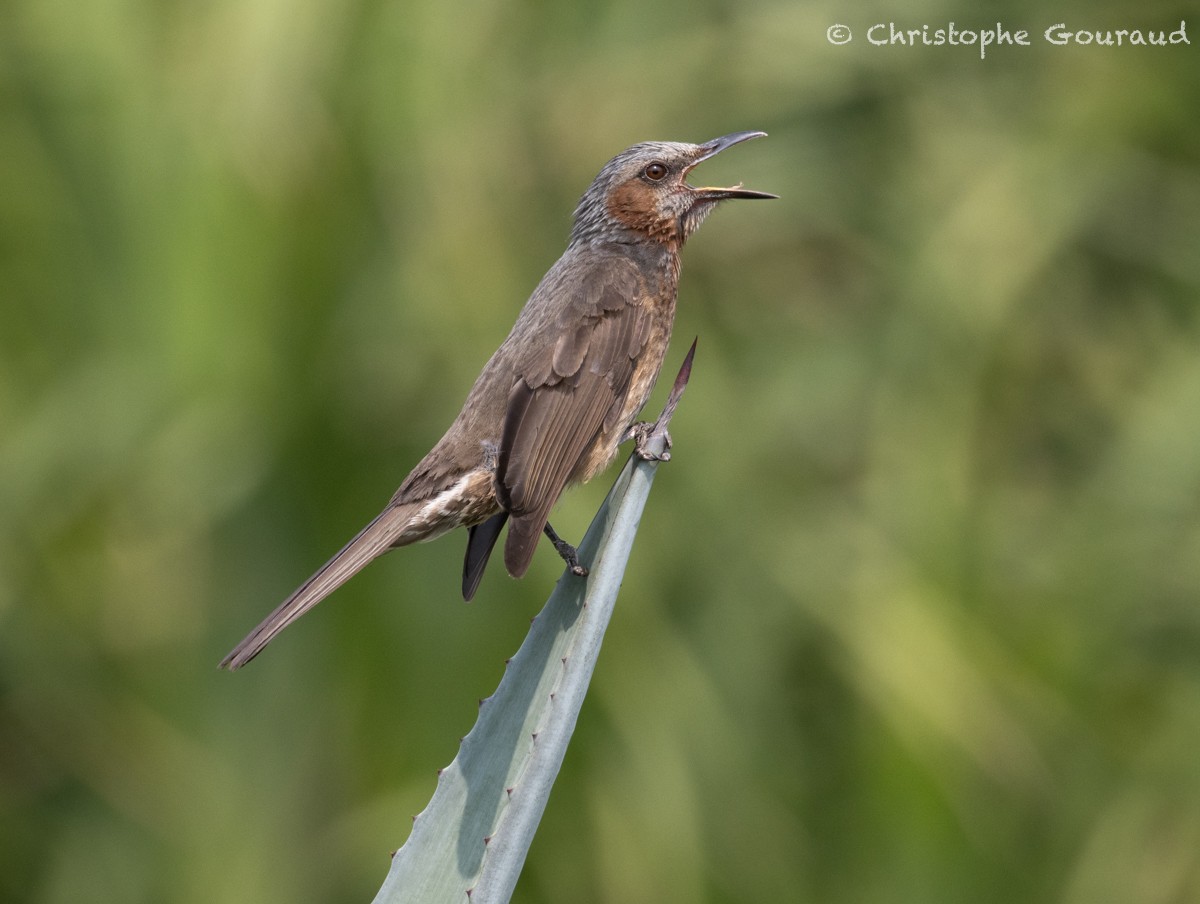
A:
561, 393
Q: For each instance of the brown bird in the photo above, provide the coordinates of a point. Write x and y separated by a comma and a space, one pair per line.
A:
560, 394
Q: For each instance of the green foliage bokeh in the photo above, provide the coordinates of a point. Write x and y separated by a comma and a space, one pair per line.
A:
914, 613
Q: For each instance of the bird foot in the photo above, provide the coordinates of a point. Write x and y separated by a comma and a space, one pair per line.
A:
642, 433
569, 553
645, 436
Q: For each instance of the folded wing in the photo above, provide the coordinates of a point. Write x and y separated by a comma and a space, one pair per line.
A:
566, 395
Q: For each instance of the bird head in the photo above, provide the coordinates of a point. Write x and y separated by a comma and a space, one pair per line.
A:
643, 194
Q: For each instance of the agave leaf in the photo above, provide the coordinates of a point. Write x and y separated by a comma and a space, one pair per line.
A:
470, 842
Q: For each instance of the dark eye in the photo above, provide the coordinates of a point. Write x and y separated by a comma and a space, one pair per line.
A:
655, 171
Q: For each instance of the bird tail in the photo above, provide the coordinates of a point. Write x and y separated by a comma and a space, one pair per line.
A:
373, 540
481, 539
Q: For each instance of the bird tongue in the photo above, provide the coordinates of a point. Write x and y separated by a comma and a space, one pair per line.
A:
734, 191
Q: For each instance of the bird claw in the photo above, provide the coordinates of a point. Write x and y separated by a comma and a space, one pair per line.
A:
642, 434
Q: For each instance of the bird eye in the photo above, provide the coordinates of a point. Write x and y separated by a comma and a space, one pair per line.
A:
655, 171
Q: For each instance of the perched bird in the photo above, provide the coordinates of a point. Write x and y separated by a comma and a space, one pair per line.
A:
560, 394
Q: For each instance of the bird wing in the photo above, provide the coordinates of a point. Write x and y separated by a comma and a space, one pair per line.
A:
567, 392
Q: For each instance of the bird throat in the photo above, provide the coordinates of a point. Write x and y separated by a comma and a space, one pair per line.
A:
635, 206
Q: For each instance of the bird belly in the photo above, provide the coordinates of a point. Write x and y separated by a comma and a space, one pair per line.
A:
607, 443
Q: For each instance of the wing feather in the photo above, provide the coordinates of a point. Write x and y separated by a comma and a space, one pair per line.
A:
564, 396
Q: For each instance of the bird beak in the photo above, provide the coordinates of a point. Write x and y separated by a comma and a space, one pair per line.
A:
714, 147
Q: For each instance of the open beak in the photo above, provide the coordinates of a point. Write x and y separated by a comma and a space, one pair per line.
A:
714, 147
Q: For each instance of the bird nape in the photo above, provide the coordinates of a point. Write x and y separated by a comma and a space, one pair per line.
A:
560, 394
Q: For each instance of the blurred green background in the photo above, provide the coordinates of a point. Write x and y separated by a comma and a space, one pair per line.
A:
915, 611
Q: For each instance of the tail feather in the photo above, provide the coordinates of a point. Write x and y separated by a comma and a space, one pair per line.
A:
371, 541
480, 541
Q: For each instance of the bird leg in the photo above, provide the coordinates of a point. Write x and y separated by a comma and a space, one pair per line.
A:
643, 433
569, 553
